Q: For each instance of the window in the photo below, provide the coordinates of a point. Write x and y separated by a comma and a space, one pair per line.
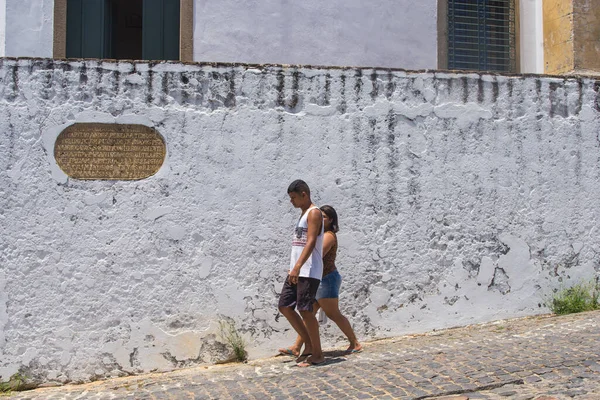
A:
124, 29
481, 35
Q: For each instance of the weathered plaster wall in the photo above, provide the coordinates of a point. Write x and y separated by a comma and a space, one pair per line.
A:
558, 36
462, 197
586, 14
29, 28
386, 33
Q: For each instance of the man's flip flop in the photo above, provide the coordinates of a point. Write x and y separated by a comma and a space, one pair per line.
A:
287, 352
303, 357
305, 364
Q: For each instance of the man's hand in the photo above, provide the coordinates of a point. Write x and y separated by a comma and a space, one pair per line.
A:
293, 275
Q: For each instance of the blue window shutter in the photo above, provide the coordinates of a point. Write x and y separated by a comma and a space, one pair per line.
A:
87, 29
481, 35
160, 30
74, 37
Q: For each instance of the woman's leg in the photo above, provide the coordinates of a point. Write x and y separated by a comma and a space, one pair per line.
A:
331, 308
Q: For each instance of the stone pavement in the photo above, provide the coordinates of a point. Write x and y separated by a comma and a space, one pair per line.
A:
544, 357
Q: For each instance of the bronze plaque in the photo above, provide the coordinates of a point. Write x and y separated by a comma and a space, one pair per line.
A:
109, 151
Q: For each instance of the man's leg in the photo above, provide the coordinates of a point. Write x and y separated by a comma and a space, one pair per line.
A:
307, 290
288, 300
297, 323
312, 326
297, 346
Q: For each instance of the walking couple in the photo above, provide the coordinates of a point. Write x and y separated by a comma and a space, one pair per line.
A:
313, 281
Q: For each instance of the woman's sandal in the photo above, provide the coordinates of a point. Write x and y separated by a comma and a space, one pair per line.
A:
353, 351
287, 352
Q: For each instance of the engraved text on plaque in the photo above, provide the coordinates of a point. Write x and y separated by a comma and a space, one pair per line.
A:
109, 151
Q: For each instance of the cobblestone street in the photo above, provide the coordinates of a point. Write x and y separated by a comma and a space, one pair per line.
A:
545, 357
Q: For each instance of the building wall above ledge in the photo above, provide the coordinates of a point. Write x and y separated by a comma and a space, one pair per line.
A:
571, 36
348, 32
463, 198
586, 14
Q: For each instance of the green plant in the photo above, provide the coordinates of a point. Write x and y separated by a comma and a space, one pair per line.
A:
15, 383
230, 335
577, 298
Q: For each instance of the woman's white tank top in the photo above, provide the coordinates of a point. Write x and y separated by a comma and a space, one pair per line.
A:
313, 267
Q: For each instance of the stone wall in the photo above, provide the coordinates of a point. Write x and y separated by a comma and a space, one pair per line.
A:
462, 198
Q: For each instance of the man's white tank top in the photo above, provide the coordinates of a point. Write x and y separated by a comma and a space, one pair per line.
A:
313, 267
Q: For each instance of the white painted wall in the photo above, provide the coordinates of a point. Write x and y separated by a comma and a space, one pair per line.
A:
29, 28
2, 27
386, 33
462, 199
531, 36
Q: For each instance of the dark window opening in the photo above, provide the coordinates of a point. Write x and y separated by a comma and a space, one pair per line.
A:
126, 32
481, 35
123, 29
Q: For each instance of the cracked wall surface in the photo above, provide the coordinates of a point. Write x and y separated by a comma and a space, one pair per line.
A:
462, 198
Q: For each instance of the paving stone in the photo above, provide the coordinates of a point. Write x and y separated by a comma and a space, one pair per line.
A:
475, 396
532, 379
506, 393
551, 357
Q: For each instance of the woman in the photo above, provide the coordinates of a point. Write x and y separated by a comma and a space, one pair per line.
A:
329, 289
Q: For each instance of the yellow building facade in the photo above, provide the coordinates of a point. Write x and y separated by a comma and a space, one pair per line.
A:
571, 36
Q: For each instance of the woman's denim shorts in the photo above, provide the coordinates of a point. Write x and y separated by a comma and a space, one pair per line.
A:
330, 286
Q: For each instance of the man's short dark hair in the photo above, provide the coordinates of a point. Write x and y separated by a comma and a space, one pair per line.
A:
298, 186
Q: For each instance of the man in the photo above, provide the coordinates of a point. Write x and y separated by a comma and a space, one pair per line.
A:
306, 270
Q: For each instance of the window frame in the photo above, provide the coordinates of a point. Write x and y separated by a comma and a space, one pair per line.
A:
186, 30
443, 44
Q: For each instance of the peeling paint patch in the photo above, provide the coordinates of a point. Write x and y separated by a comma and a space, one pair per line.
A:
500, 282
465, 115
486, 272
150, 348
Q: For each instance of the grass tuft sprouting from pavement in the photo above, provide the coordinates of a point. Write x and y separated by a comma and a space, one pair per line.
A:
230, 335
578, 298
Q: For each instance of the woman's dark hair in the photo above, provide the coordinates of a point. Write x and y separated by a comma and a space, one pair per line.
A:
330, 212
